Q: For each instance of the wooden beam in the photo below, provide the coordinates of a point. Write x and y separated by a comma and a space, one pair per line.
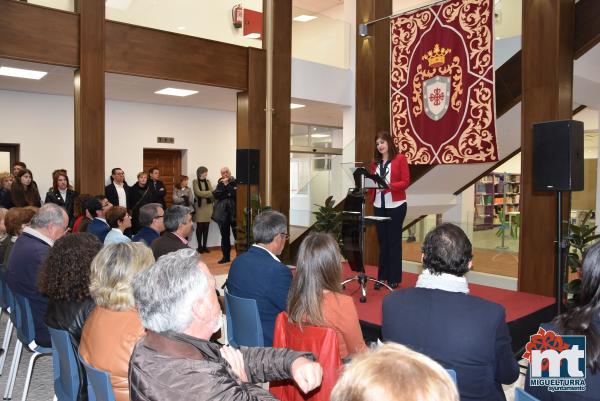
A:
587, 29
282, 93
372, 92
39, 34
547, 95
89, 100
146, 52
251, 123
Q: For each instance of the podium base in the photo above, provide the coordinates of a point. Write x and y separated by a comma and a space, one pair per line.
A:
362, 280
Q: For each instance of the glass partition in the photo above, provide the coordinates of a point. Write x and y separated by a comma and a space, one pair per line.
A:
207, 19
320, 38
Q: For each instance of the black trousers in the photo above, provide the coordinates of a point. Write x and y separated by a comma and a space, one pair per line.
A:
389, 234
225, 242
202, 234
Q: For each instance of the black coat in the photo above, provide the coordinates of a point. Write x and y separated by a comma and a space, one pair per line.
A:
157, 192
224, 208
459, 331
138, 197
110, 191
69, 203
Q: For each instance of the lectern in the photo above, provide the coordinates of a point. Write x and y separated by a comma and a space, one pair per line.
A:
354, 223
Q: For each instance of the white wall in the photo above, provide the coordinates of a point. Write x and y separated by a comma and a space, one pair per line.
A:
43, 125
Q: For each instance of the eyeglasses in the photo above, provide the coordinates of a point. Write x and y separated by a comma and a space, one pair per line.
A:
285, 235
107, 204
160, 217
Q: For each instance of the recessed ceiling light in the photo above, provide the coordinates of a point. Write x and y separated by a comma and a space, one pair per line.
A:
304, 18
296, 106
176, 92
181, 28
21, 73
253, 35
118, 4
319, 135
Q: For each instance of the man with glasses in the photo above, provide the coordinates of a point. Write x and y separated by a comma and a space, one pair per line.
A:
152, 222
97, 208
28, 254
258, 273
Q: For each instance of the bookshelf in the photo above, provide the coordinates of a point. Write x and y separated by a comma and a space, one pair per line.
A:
495, 194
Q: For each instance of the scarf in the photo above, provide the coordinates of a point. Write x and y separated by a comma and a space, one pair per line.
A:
444, 282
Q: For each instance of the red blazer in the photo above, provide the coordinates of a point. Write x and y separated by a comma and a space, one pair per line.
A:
400, 178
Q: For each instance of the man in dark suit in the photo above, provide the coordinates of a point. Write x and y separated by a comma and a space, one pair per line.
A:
157, 187
439, 319
28, 254
152, 219
97, 208
178, 226
117, 192
258, 274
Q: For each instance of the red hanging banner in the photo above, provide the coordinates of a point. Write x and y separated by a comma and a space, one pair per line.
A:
442, 83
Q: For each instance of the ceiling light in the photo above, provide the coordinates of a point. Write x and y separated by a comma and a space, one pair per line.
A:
304, 18
253, 35
319, 135
21, 73
176, 92
181, 28
296, 106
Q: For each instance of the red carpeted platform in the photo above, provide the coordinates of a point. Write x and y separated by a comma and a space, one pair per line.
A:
518, 305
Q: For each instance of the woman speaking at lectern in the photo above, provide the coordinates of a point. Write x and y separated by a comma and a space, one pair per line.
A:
393, 168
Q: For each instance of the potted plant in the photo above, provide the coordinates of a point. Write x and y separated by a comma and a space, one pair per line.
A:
243, 243
581, 237
329, 220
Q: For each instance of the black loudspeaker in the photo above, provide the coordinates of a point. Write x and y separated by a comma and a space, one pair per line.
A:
558, 156
247, 166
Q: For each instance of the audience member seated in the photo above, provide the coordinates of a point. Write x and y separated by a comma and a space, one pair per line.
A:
65, 279
440, 319
114, 326
119, 220
6, 180
82, 218
393, 372
178, 225
15, 220
117, 192
152, 221
97, 208
26, 259
316, 298
24, 191
582, 320
62, 195
258, 274
178, 306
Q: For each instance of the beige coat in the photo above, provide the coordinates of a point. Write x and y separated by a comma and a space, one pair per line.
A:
204, 210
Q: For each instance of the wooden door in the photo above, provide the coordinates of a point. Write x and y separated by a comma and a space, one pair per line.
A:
169, 163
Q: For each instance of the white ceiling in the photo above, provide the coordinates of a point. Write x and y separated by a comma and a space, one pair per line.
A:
59, 81
317, 6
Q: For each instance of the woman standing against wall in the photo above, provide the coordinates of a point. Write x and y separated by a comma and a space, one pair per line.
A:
204, 207
393, 168
24, 191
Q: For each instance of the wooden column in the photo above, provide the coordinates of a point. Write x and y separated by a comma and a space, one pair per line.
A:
282, 92
251, 123
89, 99
372, 91
547, 70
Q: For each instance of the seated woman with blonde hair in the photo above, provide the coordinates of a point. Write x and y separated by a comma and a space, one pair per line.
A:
394, 372
316, 298
114, 327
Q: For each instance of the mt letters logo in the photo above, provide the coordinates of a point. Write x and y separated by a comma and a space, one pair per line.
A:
556, 362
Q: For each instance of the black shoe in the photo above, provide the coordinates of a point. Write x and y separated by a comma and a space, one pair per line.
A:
224, 260
200, 250
377, 286
205, 249
394, 285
